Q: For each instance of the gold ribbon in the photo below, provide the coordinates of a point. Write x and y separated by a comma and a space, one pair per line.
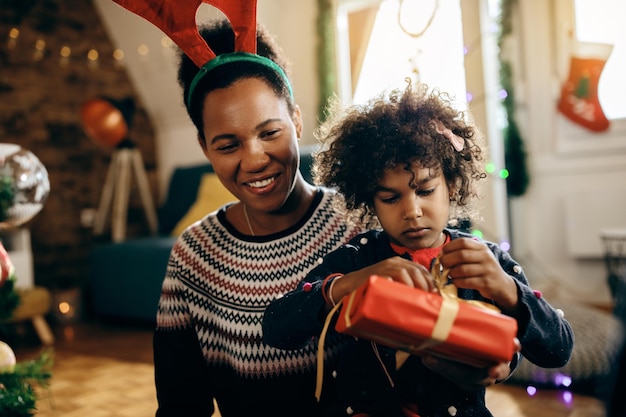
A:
449, 291
320, 351
441, 330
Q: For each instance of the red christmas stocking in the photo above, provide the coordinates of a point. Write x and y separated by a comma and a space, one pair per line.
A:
579, 93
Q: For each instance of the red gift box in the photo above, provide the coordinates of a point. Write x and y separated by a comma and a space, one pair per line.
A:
417, 321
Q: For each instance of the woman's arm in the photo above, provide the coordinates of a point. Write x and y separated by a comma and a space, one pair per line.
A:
289, 322
292, 320
181, 375
183, 384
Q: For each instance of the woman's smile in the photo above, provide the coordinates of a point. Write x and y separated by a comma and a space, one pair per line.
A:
262, 186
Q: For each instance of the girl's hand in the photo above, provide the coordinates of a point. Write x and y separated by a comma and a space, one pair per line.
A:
465, 376
468, 377
396, 268
472, 265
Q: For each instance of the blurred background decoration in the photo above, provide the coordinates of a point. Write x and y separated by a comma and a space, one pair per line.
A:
24, 188
106, 122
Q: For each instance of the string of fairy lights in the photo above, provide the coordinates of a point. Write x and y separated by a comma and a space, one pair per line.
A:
38, 49
93, 56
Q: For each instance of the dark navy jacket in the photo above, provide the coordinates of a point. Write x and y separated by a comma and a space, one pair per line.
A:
358, 381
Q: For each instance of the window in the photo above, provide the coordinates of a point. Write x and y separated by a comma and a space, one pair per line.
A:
376, 52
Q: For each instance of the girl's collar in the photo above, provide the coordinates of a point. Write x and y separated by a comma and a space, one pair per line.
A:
420, 256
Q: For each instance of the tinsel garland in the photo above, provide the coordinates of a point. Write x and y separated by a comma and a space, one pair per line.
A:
514, 151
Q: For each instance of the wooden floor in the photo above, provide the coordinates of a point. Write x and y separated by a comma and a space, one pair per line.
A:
105, 370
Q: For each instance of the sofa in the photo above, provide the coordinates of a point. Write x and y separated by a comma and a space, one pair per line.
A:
125, 278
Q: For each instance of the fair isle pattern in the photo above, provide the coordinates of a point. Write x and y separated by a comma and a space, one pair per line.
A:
219, 285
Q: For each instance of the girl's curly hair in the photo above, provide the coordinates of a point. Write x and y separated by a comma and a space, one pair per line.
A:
398, 127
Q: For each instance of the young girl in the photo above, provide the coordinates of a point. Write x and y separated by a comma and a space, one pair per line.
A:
409, 161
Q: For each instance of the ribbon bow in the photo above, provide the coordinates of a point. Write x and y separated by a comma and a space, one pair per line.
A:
448, 290
457, 142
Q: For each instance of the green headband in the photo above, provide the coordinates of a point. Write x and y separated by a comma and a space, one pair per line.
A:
234, 57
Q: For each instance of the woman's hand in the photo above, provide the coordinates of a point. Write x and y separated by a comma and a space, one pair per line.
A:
396, 268
472, 265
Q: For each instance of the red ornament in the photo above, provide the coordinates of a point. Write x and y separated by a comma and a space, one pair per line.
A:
103, 122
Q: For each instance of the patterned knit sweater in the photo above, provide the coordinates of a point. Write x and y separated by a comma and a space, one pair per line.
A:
208, 343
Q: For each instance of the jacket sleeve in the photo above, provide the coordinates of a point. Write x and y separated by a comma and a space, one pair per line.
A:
546, 337
292, 320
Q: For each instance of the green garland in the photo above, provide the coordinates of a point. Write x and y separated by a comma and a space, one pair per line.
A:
7, 196
9, 299
514, 151
18, 397
17, 393
326, 70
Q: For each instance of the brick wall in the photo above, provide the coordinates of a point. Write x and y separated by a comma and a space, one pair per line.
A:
40, 99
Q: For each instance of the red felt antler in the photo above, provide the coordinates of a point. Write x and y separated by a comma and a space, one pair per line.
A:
177, 19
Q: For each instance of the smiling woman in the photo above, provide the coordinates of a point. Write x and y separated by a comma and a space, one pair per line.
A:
225, 268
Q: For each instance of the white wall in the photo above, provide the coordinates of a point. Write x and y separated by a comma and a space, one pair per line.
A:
578, 178
154, 75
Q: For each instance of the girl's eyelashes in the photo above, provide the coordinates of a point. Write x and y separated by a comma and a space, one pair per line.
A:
389, 200
426, 192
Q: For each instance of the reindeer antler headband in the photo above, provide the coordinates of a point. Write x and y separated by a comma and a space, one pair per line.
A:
177, 19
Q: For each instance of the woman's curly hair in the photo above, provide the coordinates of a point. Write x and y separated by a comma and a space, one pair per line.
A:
398, 127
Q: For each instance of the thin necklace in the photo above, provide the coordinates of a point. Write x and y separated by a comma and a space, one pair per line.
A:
245, 213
